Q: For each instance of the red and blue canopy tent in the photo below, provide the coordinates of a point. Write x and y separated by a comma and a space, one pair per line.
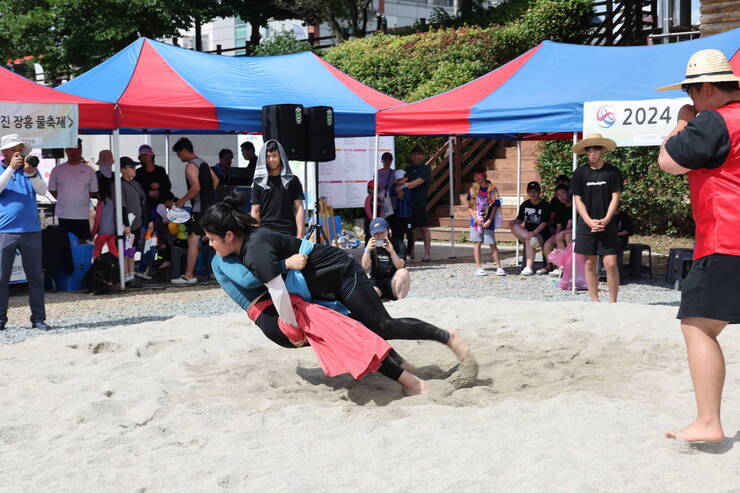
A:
94, 115
541, 93
543, 90
160, 88
157, 88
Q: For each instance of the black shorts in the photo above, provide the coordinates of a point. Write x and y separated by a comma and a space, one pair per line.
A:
603, 243
386, 290
712, 289
193, 224
78, 227
421, 218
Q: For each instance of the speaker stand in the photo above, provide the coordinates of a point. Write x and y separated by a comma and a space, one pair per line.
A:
314, 226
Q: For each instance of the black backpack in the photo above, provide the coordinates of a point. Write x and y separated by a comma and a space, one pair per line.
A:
102, 275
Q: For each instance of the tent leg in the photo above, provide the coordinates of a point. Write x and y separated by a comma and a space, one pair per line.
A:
119, 206
450, 147
518, 187
375, 176
573, 228
167, 153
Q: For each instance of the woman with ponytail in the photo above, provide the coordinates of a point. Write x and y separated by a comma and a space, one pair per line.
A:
250, 259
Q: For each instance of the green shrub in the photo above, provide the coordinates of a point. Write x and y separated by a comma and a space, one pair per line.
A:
282, 43
657, 201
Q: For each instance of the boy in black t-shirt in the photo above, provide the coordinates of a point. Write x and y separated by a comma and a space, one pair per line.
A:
530, 225
277, 195
596, 189
386, 267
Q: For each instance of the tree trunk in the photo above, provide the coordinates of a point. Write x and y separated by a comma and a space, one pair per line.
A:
255, 36
198, 36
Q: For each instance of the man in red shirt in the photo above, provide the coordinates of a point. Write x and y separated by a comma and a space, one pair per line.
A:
706, 145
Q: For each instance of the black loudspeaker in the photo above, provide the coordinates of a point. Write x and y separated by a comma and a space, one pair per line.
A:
286, 124
320, 139
52, 153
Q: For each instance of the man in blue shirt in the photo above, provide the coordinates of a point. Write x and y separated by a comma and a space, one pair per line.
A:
19, 227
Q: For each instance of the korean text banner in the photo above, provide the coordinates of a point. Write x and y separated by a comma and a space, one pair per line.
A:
44, 125
632, 123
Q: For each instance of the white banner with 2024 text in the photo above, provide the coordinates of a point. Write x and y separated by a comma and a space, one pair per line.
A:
632, 123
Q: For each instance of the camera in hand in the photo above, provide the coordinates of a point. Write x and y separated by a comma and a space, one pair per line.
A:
30, 160
380, 243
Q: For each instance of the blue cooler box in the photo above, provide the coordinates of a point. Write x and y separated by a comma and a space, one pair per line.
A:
81, 259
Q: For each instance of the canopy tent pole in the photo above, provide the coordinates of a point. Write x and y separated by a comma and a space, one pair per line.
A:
573, 227
167, 153
375, 177
118, 206
518, 188
450, 146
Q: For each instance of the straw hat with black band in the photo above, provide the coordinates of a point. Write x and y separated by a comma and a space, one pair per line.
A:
705, 66
594, 140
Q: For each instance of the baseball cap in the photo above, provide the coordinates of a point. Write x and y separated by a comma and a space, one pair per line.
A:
127, 162
371, 184
533, 185
400, 173
378, 225
146, 149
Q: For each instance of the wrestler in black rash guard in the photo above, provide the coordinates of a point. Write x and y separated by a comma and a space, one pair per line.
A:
333, 275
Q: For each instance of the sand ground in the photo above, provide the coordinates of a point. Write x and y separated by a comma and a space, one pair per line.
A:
570, 397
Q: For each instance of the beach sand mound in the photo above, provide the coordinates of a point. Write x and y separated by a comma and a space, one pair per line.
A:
569, 397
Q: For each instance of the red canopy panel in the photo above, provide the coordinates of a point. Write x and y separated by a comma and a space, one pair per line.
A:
93, 114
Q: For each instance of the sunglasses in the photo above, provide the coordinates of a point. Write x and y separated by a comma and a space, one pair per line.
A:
593, 148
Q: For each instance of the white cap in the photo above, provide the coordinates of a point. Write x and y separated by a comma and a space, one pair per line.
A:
400, 173
11, 140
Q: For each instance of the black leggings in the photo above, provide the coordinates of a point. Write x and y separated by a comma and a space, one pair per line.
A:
267, 321
357, 294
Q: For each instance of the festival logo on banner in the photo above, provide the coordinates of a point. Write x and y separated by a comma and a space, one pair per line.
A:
43, 125
632, 123
605, 116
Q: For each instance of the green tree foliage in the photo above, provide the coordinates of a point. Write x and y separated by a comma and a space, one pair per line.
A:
72, 36
347, 18
658, 202
420, 65
282, 43
257, 13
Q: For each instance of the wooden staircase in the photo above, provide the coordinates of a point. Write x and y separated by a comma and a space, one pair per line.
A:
501, 171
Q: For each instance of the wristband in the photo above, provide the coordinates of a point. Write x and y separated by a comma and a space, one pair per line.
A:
368, 250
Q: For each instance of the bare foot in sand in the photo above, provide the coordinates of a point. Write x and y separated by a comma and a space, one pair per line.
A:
413, 385
408, 367
698, 432
457, 345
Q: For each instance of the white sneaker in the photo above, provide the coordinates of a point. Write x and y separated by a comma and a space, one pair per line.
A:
184, 281
480, 272
500, 272
526, 272
555, 273
534, 242
541, 272
143, 275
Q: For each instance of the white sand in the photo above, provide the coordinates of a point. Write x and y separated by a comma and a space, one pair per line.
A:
571, 397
